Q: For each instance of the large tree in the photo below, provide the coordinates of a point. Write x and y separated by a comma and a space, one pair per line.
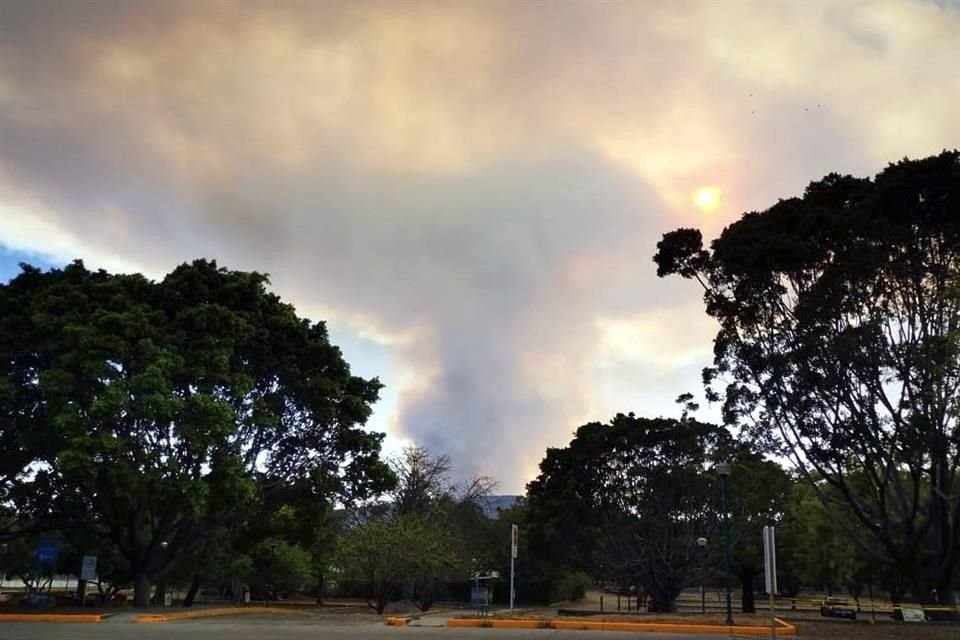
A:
839, 344
169, 407
628, 500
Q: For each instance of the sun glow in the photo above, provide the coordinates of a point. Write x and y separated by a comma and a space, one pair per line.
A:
707, 199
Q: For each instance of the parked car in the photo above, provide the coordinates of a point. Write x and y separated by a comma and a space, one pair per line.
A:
837, 608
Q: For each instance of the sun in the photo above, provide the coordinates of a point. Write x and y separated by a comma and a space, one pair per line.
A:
707, 199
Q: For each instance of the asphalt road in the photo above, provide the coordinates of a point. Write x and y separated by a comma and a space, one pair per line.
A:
274, 629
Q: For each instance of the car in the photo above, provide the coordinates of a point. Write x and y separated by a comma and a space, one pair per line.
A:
832, 607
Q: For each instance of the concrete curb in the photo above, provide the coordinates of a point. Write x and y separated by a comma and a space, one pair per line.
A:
155, 618
50, 617
664, 627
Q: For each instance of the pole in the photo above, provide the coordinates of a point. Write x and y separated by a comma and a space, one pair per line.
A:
514, 547
770, 575
512, 560
773, 617
703, 593
726, 546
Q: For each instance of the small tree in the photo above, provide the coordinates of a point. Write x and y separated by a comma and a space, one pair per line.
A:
280, 566
387, 554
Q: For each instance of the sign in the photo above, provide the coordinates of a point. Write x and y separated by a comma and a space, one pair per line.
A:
769, 560
46, 554
88, 569
912, 614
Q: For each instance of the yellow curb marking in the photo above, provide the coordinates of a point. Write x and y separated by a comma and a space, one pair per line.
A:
152, 618
783, 630
50, 617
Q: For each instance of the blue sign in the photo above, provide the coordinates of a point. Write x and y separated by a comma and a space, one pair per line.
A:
47, 554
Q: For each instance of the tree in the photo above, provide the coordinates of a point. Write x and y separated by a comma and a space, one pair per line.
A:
632, 496
756, 497
424, 497
170, 407
839, 346
422, 481
386, 554
279, 566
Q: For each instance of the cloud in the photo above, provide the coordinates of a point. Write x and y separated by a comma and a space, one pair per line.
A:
477, 187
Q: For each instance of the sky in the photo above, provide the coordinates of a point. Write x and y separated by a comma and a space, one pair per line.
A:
468, 193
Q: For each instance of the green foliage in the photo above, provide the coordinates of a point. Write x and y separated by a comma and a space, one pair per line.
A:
630, 498
570, 586
839, 346
390, 553
275, 566
169, 409
756, 497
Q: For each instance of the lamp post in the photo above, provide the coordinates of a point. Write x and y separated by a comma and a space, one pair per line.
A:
702, 543
723, 470
161, 595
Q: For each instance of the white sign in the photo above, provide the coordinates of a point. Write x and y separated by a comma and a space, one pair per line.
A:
769, 560
913, 614
88, 569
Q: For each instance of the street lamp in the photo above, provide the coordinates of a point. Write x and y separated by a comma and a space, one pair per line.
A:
723, 470
702, 543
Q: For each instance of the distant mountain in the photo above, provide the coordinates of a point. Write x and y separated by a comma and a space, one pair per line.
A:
491, 504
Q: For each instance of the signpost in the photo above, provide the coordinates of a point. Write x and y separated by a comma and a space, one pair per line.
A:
770, 575
514, 544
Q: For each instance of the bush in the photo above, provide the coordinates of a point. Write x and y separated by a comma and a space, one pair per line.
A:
570, 586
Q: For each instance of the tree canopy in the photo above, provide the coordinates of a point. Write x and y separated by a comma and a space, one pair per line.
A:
839, 347
166, 408
630, 497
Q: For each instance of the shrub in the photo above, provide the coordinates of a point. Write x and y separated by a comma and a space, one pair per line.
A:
572, 585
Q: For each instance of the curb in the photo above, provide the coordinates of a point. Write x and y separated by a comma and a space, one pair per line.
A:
664, 627
50, 617
156, 618
395, 621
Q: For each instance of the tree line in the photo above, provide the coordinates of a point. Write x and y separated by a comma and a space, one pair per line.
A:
196, 430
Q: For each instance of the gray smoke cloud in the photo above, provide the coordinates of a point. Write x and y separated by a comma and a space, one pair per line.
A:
475, 187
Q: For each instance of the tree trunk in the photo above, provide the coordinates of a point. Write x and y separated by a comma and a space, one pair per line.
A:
747, 604
160, 593
192, 593
321, 584
141, 590
236, 590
